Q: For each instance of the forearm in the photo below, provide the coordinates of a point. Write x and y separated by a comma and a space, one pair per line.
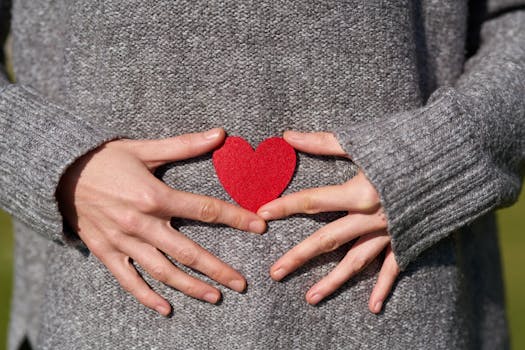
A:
441, 166
39, 140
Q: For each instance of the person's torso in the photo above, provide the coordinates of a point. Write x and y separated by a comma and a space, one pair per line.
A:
256, 68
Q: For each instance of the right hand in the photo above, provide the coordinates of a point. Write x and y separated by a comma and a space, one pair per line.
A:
121, 211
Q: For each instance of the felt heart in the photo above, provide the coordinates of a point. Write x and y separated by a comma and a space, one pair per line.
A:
253, 178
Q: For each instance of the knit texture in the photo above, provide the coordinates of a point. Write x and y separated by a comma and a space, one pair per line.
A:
473, 139
57, 139
440, 137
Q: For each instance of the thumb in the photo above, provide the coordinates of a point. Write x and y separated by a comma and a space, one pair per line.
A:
160, 151
320, 143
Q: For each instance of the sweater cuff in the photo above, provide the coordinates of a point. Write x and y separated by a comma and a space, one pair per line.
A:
40, 140
428, 168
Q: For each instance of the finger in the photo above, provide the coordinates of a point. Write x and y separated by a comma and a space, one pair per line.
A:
326, 239
160, 268
191, 254
309, 201
127, 276
357, 194
385, 282
360, 255
321, 143
208, 209
161, 151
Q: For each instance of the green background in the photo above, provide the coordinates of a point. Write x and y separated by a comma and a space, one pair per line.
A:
512, 241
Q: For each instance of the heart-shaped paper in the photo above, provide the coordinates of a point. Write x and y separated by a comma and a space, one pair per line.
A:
253, 178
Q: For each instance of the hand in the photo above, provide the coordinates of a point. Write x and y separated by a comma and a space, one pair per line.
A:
365, 222
120, 210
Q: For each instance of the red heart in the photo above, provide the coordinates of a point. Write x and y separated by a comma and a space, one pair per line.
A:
253, 178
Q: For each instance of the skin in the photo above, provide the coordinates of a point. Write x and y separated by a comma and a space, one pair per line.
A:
365, 222
122, 212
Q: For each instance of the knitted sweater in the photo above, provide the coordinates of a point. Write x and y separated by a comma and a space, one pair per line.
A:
428, 98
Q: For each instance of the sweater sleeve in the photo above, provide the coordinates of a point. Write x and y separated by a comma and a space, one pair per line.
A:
441, 166
38, 141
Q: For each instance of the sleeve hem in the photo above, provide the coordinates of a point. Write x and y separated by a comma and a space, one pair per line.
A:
42, 140
429, 170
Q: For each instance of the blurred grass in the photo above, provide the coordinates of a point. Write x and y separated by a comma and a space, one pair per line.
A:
512, 242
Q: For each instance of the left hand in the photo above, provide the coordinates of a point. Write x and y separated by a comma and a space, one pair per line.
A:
365, 222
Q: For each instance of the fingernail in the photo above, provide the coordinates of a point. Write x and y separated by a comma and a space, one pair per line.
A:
378, 306
257, 226
314, 299
266, 215
278, 274
293, 135
212, 134
211, 298
162, 309
237, 285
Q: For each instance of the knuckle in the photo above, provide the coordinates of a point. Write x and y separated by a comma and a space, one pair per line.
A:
127, 286
209, 210
184, 143
97, 246
185, 140
358, 263
159, 273
332, 285
190, 289
141, 294
187, 257
237, 221
369, 197
323, 138
327, 242
297, 260
147, 201
129, 221
309, 204
217, 274
122, 144
114, 237
133, 289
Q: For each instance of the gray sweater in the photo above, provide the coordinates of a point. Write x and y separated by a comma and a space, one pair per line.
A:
441, 137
